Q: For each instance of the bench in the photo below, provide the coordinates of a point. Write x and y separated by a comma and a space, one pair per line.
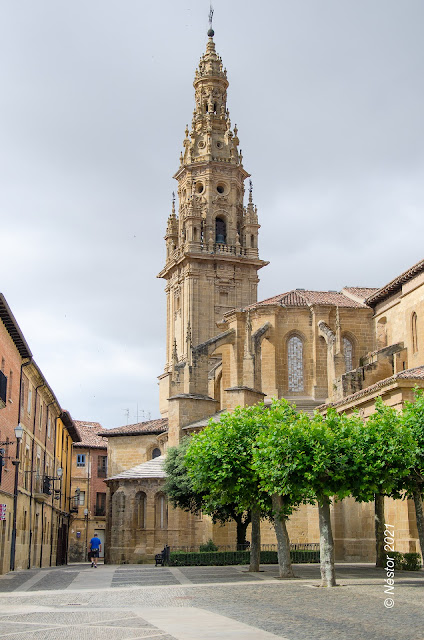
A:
162, 557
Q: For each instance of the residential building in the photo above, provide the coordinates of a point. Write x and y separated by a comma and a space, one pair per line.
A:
35, 478
89, 470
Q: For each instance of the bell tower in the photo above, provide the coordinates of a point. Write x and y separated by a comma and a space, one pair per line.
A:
212, 255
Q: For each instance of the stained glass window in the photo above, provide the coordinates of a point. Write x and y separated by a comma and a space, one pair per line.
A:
295, 363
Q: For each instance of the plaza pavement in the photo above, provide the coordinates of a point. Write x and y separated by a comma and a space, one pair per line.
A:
207, 603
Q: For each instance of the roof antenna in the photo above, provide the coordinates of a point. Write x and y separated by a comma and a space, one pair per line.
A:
211, 32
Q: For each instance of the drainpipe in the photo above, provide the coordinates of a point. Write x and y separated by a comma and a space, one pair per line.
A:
15, 488
32, 475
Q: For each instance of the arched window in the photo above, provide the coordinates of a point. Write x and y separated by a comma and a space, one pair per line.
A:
220, 231
161, 511
140, 508
414, 333
295, 363
156, 453
348, 353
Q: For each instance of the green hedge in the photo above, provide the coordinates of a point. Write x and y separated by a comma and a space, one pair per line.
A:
221, 558
405, 561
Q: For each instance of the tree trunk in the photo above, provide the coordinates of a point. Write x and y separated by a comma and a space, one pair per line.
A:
243, 522
255, 546
283, 541
326, 544
420, 519
380, 558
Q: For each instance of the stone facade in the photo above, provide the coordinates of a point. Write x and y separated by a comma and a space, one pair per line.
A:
212, 255
225, 349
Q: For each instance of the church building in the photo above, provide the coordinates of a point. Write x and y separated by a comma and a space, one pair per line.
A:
225, 349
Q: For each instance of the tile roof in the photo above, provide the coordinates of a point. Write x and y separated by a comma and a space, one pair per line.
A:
150, 426
88, 432
396, 284
303, 298
417, 373
151, 469
361, 292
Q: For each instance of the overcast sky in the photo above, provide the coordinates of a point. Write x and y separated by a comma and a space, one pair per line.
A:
328, 97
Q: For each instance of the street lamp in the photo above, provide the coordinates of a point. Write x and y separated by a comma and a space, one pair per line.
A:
19, 432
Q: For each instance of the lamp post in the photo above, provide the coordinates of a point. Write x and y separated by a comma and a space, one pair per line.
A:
86, 532
19, 432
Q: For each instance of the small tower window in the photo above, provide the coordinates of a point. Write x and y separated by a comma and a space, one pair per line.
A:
252, 241
220, 231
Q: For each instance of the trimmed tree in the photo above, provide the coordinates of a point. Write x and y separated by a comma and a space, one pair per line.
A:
219, 463
275, 448
309, 460
179, 488
384, 454
413, 418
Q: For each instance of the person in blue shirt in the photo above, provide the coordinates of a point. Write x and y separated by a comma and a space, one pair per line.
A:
95, 548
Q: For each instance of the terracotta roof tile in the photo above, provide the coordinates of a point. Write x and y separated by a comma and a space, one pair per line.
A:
396, 284
304, 298
361, 292
151, 426
88, 432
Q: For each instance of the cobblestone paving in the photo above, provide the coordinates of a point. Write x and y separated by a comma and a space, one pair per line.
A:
290, 609
143, 576
56, 579
209, 575
79, 624
12, 581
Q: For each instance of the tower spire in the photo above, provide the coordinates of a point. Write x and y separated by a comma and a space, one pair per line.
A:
212, 238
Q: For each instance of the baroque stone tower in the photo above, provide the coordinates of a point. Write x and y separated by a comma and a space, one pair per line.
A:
212, 244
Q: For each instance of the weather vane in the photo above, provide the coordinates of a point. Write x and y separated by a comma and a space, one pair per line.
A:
210, 17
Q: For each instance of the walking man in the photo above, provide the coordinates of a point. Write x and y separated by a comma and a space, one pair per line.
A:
95, 548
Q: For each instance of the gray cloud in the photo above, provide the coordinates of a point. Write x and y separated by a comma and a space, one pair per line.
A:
328, 98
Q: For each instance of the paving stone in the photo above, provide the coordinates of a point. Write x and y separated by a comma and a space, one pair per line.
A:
290, 609
54, 580
12, 581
